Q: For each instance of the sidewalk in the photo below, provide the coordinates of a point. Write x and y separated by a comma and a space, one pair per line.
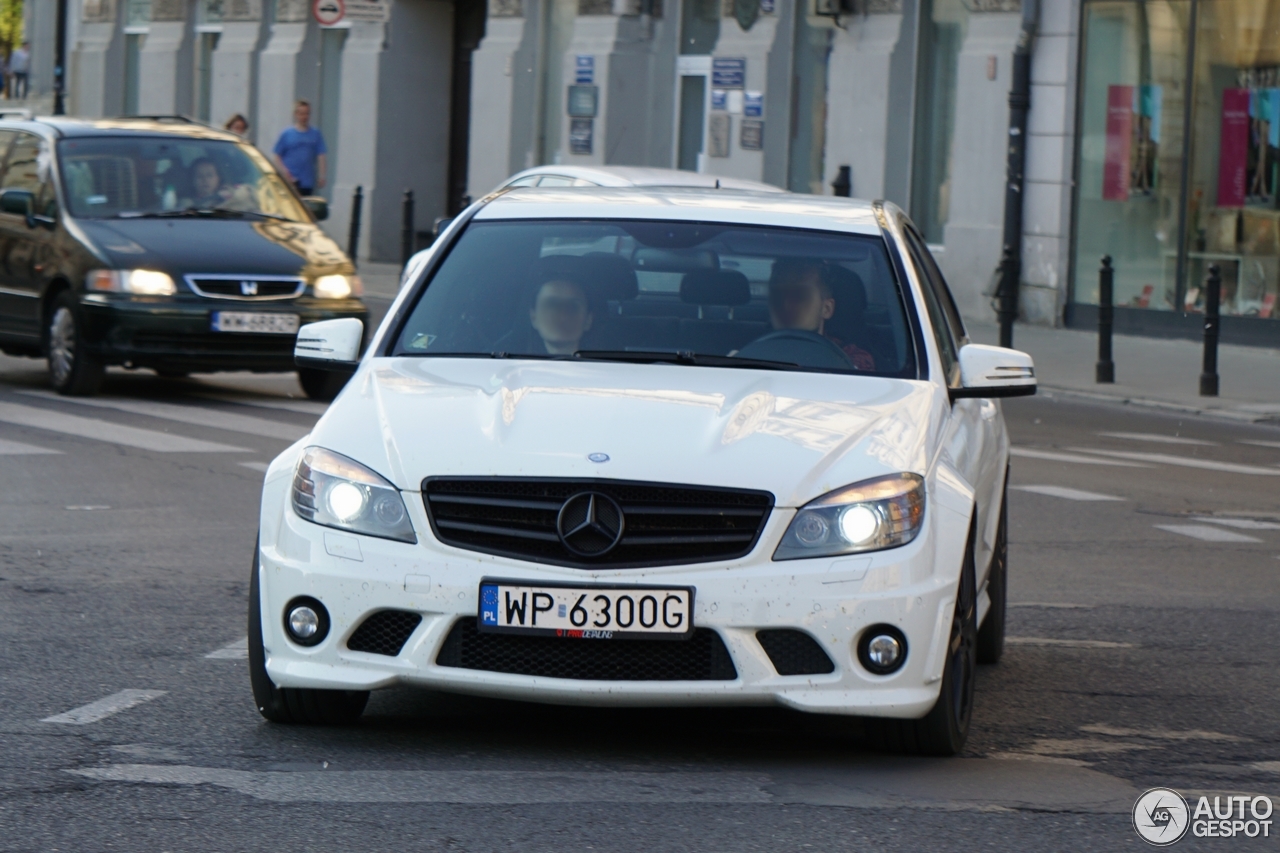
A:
1150, 371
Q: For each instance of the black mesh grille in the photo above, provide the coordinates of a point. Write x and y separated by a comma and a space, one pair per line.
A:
662, 524
794, 652
260, 289
702, 657
384, 633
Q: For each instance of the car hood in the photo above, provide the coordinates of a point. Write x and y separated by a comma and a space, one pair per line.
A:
797, 435
234, 246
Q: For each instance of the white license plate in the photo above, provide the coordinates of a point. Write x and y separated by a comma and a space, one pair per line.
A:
246, 321
586, 612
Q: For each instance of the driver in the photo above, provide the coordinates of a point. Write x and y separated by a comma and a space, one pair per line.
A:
560, 314
207, 182
801, 297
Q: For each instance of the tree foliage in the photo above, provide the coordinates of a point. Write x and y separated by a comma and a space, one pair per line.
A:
10, 25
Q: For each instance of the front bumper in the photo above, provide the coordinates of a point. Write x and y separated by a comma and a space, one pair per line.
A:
833, 600
176, 332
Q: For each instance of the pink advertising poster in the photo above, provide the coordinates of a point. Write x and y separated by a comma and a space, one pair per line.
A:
1115, 168
1233, 150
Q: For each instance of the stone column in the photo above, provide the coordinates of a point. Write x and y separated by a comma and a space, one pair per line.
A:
755, 45
88, 80
232, 86
495, 69
162, 70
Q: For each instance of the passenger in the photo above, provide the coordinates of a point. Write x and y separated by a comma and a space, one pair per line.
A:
801, 297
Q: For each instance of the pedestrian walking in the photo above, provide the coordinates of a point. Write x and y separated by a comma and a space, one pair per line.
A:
238, 124
19, 68
300, 152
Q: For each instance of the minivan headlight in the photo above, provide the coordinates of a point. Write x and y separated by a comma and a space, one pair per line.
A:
335, 491
139, 282
869, 516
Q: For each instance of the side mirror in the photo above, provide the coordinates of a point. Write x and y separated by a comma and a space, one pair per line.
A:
318, 206
20, 202
329, 344
441, 225
987, 371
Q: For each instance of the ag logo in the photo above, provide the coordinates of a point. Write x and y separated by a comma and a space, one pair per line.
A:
1161, 816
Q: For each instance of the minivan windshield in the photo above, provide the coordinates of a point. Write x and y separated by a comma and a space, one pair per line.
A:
124, 177
679, 292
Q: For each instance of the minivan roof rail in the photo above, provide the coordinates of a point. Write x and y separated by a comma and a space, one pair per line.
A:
183, 119
18, 112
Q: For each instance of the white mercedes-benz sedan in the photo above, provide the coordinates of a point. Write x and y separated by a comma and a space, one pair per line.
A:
629, 446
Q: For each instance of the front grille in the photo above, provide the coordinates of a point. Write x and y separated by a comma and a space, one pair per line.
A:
794, 652
384, 633
662, 524
246, 287
213, 343
702, 657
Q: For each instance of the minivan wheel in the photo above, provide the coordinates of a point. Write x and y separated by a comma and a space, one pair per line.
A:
293, 704
72, 369
322, 385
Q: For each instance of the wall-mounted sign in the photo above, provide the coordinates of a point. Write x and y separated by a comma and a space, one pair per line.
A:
735, 101
328, 12
719, 127
752, 136
720, 99
753, 104
728, 73
581, 131
767, 6
583, 101
372, 11
584, 70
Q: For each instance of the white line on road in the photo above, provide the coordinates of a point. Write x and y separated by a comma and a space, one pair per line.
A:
306, 407
1158, 438
1053, 456
1243, 523
1184, 461
103, 708
1275, 444
239, 650
196, 415
256, 466
1064, 492
17, 448
1070, 644
1207, 533
146, 439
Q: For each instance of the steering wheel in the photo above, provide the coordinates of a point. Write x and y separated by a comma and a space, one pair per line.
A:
798, 346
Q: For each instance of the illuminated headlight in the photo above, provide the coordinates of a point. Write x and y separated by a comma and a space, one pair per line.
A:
337, 286
339, 492
140, 282
870, 516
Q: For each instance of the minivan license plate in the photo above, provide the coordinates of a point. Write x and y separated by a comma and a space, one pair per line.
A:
586, 612
246, 321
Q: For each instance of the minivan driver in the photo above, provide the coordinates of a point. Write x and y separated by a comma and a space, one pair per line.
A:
801, 297
207, 182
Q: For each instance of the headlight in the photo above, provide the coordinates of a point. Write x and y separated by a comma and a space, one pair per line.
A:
140, 282
337, 286
882, 513
338, 492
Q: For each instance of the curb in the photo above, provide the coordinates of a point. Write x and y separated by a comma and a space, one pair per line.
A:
1237, 415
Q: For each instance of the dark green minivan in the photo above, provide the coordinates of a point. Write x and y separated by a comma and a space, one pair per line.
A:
161, 244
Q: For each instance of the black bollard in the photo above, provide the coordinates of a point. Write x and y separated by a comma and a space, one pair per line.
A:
842, 186
353, 234
406, 229
1106, 371
1009, 272
1212, 295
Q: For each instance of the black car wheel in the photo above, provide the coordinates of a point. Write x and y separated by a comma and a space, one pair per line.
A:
72, 369
322, 385
991, 634
293, 704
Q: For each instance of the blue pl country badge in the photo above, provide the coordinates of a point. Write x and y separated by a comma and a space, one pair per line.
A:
489, 605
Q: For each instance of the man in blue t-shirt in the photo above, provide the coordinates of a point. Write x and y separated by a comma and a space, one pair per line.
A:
300, 152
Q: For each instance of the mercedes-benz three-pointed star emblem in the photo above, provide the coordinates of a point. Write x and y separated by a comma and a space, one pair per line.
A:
590, 524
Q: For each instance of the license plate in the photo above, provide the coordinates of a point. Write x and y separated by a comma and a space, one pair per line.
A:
247, 321
586, 612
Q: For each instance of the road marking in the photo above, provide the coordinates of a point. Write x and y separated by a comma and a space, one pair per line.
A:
239, 650
1158, 438
1184, 461
87, 507
1207, 533
256, 466
103, 708
1064, 492
1161, 734
306, 407
196, 415
1268, 766
17, 448
145, 439
1070, 644
1051, 604
1053, 456
1243, 523
1275, 444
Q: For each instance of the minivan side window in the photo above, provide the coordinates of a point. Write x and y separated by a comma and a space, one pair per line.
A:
27, 170
944, 333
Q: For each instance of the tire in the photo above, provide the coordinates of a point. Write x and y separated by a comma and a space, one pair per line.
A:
991, 634
944, 730
72, 371
322, 385
292, 704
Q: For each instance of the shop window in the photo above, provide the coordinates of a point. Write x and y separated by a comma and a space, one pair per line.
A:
943, 24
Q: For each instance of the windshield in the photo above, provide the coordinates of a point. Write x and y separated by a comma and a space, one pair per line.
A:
137, 176
690, 293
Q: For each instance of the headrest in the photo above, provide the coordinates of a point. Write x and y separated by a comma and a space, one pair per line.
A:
715, 287
602, 275
847, 288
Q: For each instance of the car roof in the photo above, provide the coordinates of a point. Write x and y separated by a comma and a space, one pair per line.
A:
123, 126
788, 210
644, 176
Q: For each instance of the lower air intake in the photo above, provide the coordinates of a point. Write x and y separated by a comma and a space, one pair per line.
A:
384, 633
794, 652
702, 657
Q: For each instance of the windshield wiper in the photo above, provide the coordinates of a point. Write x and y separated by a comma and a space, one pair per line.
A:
208, 212
683, 357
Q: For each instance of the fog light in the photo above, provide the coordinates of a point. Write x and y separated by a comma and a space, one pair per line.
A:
882, 649
306, 621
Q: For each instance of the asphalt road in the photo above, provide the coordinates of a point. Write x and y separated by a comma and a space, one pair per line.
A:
1143, 652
